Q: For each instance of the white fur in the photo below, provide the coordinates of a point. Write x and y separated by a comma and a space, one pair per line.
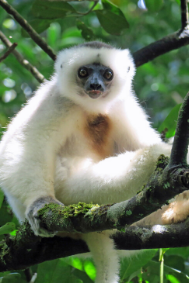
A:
45, 152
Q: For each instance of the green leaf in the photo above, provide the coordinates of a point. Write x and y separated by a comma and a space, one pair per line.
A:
151, 271
170, 122
172, 278
86, 32
183, 252
82, 275
55, 271
44, 9
90, 269
38, 25
113, 8
5, 215
74, 261
1, 197
112, 23
54, 34
112, 18
2, 274
130, 265
153, 5
85, 265
175, 261
7, 228
12, 278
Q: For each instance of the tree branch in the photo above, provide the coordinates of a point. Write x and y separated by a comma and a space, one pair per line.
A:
7, 53
184, 14
26, 249
90, 10
179, 153
166, 44
23, 61
33, 34
153, 237
160, 47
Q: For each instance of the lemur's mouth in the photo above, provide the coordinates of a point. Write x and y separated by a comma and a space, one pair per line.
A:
94, 93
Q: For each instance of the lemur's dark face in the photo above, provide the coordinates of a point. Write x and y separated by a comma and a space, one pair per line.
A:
94, 79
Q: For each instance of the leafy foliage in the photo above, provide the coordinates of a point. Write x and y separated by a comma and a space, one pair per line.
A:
42, 9
112, 19
130, 267
153, 5
160, 85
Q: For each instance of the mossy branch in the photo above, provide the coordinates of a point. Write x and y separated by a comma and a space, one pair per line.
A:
153, 237
26, 249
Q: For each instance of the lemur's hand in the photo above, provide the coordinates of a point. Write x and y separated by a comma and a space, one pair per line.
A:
33, 218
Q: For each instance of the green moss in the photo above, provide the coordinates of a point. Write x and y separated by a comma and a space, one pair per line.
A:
103, 209
166, 185
162, 162
149, 188
141, 189
121, 229
68, 211
4, 250
128, 212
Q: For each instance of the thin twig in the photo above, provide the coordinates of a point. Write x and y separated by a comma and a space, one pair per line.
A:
184, 13
33, 34
90, 10
22, 61
11, 48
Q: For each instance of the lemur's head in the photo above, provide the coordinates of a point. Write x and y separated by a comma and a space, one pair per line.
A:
93, 74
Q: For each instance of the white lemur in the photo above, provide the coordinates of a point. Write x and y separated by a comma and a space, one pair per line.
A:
83, 137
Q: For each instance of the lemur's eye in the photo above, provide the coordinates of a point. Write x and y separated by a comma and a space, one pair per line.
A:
83, 72
108, 75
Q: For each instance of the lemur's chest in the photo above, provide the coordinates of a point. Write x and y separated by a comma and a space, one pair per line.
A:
89, 139
97, 130
89, 136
